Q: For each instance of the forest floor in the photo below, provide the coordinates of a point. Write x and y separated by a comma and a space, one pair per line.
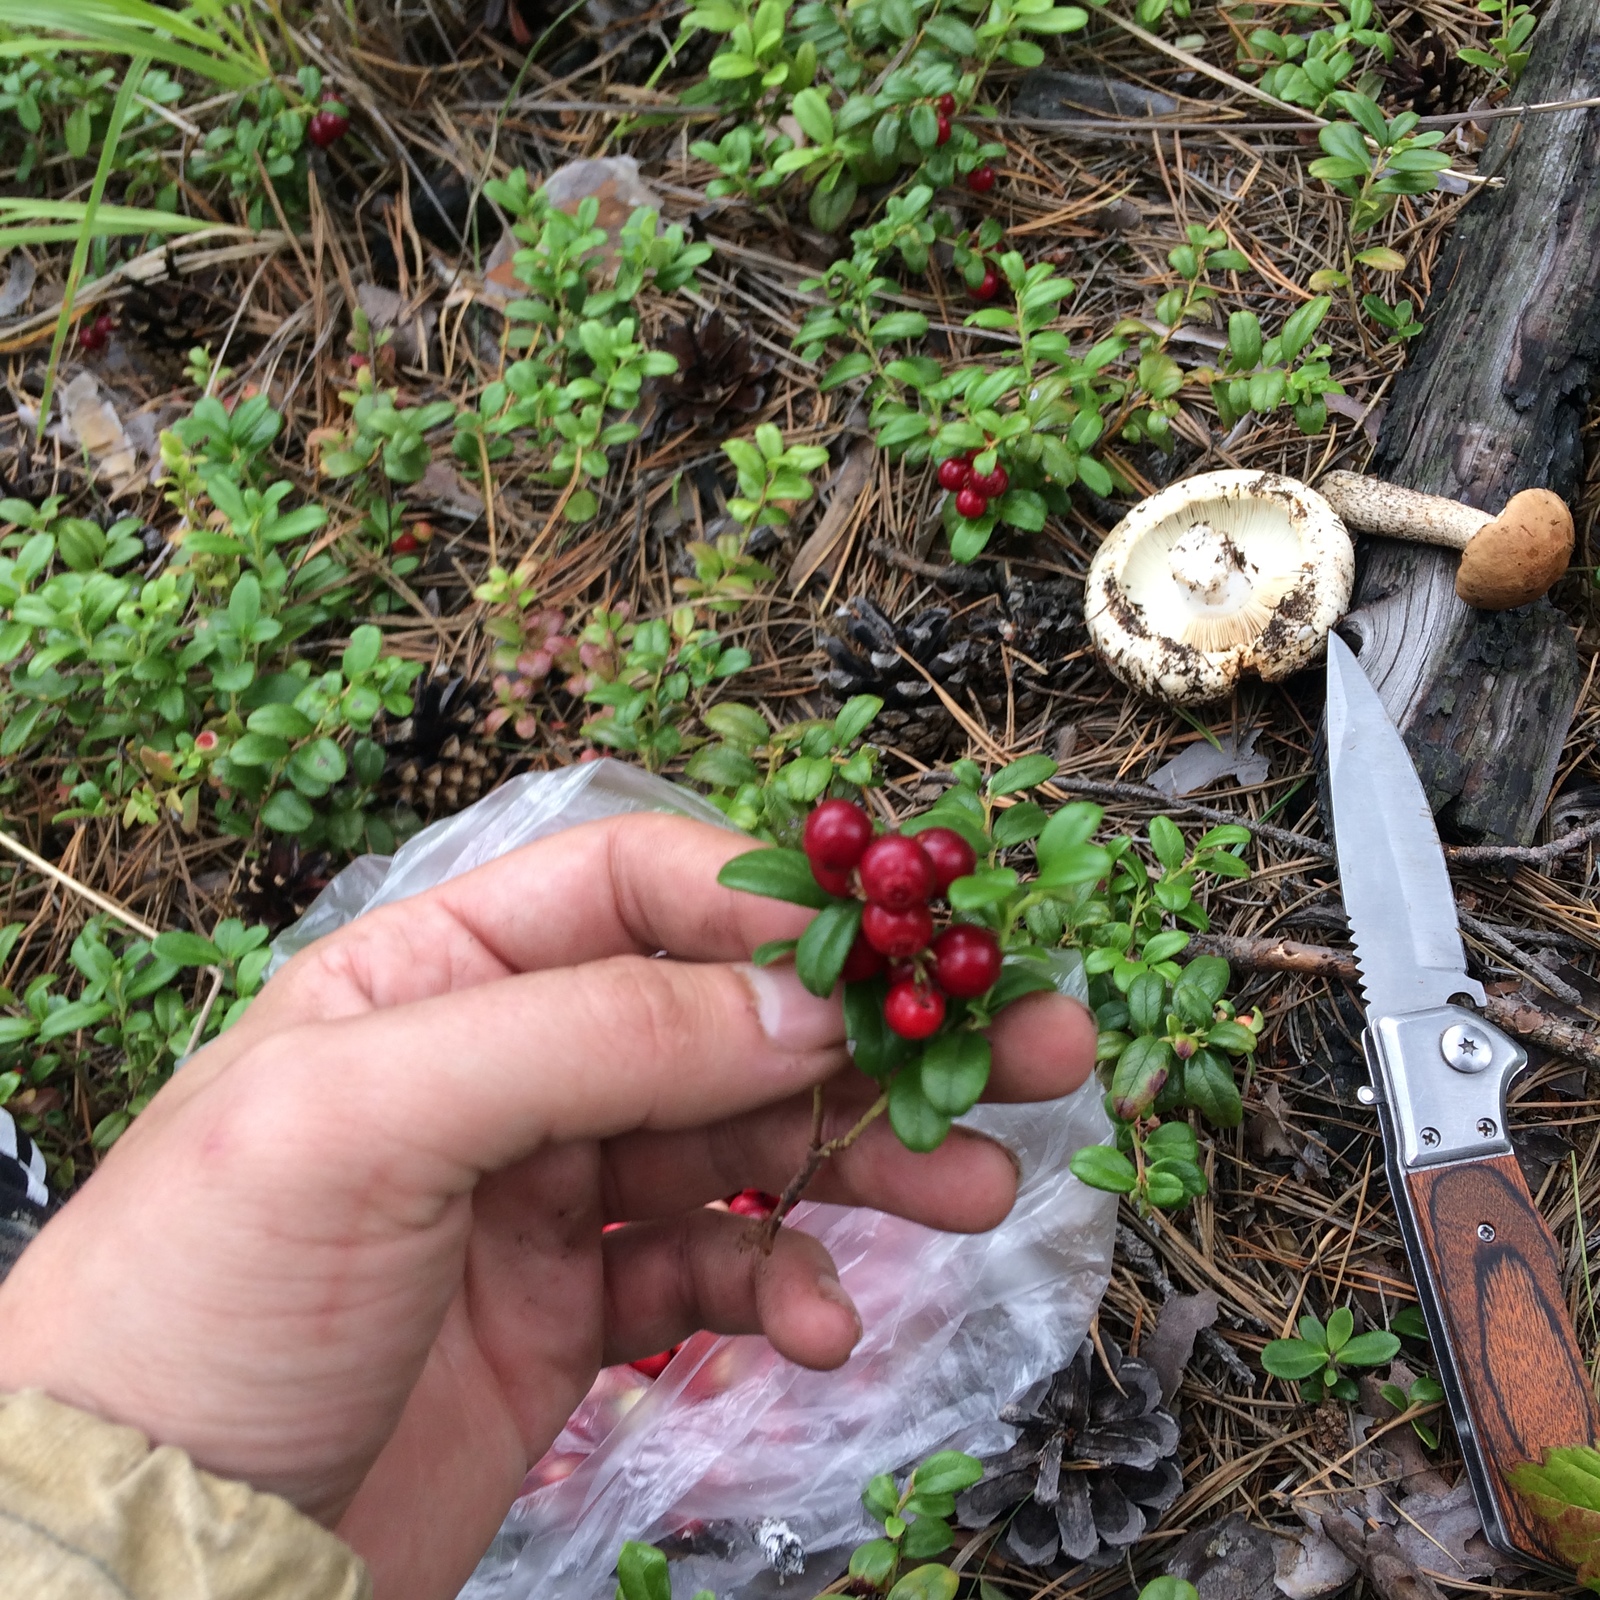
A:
988, 659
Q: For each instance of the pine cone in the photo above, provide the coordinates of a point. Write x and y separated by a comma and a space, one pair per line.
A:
171, 314
867, 660
1092, 1469
435, 756
281, 882
1039, 625
720, 373
1427, 78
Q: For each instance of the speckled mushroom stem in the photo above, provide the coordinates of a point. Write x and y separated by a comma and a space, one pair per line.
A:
1370, 505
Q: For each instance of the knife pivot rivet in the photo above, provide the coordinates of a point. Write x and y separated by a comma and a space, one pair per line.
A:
1486, 1232
1487, 1127
1466, 1048
1367, 1095
1429, 1136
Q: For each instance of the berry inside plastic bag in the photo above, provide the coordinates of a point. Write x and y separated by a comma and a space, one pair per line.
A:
748, 1469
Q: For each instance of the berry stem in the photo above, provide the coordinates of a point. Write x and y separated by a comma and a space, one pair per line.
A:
819, 1152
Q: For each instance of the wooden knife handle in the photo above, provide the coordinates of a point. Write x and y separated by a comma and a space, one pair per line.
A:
1496, 1282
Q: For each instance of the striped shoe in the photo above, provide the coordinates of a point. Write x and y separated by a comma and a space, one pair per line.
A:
24, 1199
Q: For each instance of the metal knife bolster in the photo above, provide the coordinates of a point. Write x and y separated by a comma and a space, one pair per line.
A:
1487, 1271
1443, 1074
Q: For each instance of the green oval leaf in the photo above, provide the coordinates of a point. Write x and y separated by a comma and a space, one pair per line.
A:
778, 874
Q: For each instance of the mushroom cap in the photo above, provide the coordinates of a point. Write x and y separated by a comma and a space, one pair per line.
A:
1517, 557
1216, 576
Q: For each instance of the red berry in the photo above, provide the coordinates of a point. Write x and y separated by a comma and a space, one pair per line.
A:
835, 881
951, 855
946, 105
328, 127
970, 503
991, 484
944, 131
913, 1010
990, 286
836, 834
895, 873
862, 963
654, 1366
966, 960
93, 335
897, 933
205, 740
752, 1203
981, 180
405, 545
953, 474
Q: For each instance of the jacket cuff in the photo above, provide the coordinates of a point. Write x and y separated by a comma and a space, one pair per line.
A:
88, 1508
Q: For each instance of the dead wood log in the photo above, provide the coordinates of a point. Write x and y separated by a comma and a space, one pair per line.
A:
1492, 402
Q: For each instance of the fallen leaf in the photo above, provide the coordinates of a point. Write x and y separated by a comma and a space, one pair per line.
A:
1203, 763
1311, 1566
89, 422
1436, 1530
1269, 1130
18, 288
442, 487
848, 484
1169, 1347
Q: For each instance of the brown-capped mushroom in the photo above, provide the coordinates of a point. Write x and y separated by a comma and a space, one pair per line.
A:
1216, 576
1506, 561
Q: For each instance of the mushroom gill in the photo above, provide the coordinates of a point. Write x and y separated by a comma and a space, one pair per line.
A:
1217, 575
1212, 573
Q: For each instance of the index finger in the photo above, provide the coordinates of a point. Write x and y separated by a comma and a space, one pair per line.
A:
629, 885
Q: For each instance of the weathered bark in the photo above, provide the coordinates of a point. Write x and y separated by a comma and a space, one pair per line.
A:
1492, 402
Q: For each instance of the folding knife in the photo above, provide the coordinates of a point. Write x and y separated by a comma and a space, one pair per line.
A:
1487, 1271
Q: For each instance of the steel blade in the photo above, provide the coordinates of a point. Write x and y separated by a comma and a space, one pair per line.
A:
1391, 866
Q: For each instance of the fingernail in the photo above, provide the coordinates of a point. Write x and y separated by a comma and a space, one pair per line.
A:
790, 1015
832, 1291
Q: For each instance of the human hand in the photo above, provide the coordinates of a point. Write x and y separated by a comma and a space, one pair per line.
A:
353, 1252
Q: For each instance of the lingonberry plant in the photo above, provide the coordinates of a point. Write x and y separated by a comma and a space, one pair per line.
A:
1166, 1030
1507, 52
1262, 374
763, 778
906, 73
1008, 442
187, 679
1318, 1353
128, 1003
667, 662
1403, 162
916, 1525
1307, 69
570, 395
918, 995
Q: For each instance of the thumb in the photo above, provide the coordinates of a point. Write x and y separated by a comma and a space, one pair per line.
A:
484, 1077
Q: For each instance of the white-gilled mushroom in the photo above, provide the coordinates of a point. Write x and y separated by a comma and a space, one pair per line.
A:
1506, 561
1216, 576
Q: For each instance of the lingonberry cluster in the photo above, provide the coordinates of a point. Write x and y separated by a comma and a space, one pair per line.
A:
973, 490
945, 105
94, 335
897, 875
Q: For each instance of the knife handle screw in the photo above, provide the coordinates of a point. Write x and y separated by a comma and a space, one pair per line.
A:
1429, 1136
1486, 1232
1465, 1048
1486, 1127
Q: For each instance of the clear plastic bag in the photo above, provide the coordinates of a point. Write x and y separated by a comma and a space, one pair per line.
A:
737, 1458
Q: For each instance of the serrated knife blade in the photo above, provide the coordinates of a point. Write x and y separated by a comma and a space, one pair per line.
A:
1392, 872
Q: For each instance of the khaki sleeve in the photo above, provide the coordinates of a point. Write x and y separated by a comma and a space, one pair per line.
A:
88, 1511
